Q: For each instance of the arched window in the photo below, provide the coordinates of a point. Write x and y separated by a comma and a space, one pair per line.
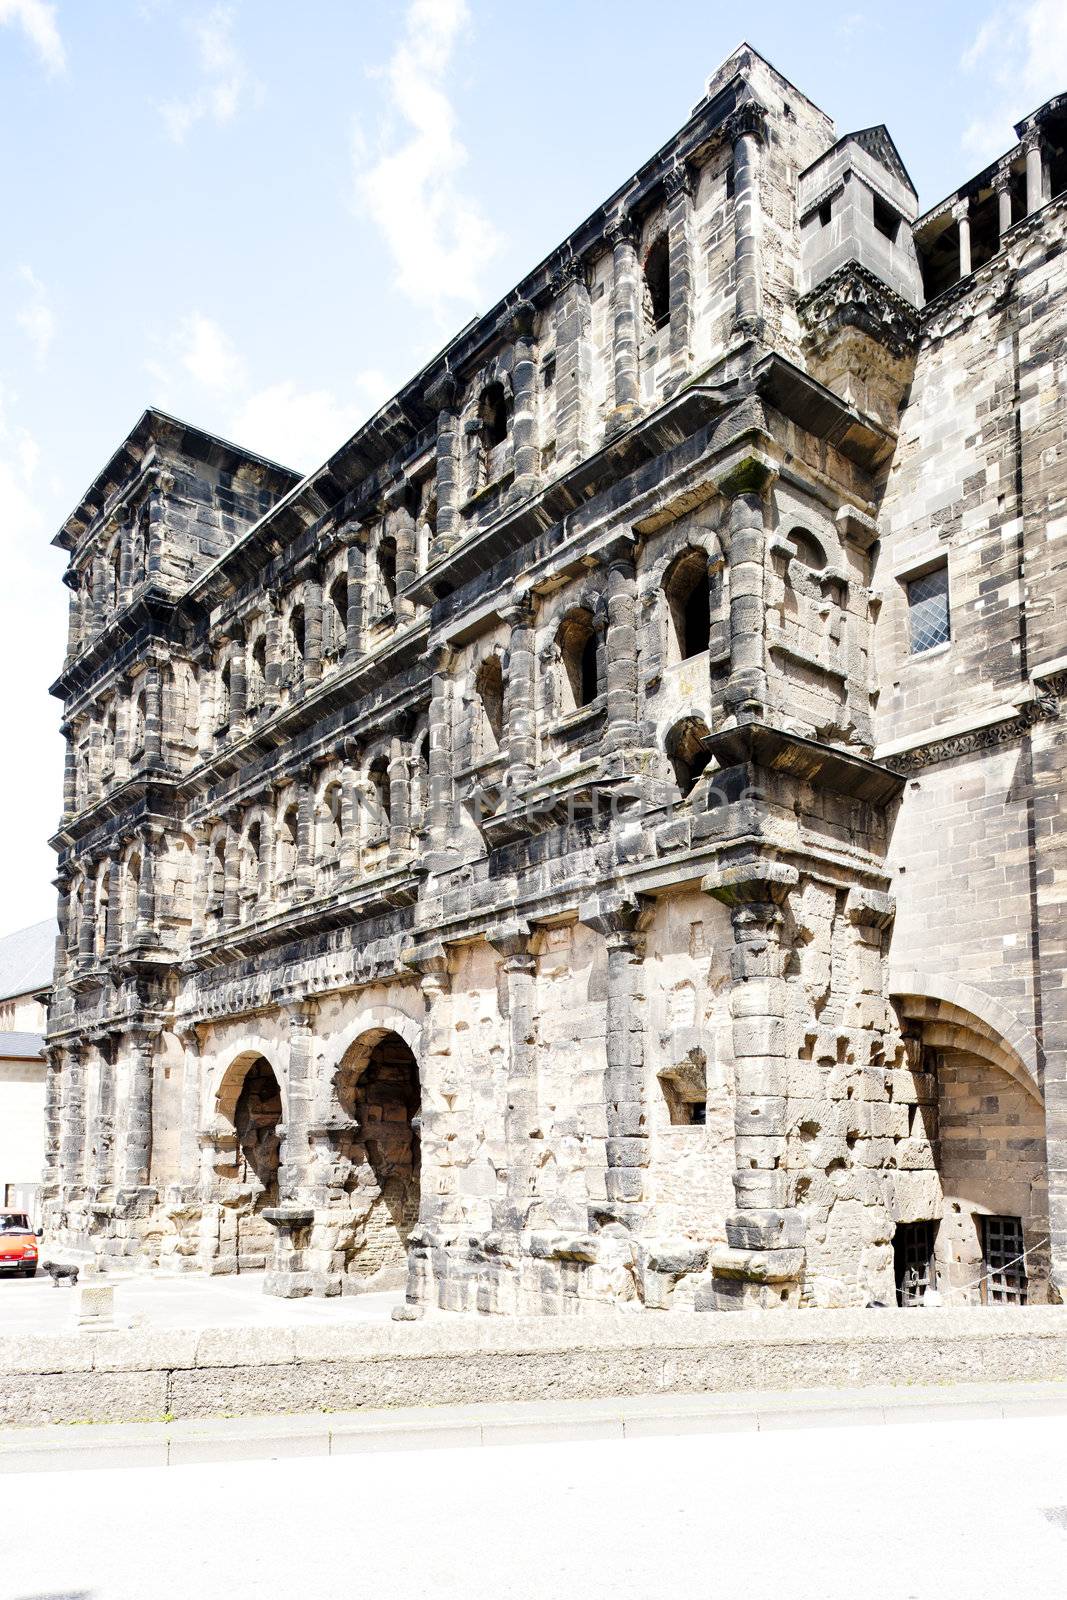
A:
379, 803
137, 727
249, 867
806, 549
689, 604
386, 555
490, 688
257, 673
330, 824
288, 839
658, 283
579, 658
296, 631
686, 753
420, 808
216, 882
494, 414
339, 603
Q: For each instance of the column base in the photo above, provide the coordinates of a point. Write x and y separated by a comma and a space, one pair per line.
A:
753, 1280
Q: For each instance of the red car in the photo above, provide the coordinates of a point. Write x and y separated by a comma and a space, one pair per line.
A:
18, 1244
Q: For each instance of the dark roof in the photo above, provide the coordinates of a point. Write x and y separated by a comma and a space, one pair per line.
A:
21, 1046
27, 959
879, 145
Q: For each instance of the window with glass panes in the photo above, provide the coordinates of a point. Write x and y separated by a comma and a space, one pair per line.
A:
928, 617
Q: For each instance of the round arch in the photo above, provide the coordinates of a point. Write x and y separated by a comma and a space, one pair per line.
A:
955, 1016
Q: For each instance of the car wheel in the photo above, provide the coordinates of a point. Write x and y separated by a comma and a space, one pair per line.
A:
29, 1272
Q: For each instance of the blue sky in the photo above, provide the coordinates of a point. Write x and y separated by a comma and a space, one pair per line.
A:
264, 215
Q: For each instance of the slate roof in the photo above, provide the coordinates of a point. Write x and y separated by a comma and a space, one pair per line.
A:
27, 958
21, 1046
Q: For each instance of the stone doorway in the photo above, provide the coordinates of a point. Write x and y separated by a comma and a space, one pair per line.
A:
379, 1093
257, 1113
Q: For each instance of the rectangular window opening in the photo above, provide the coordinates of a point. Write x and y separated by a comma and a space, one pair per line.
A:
826, 211
913, 1261
928, 610
886, 220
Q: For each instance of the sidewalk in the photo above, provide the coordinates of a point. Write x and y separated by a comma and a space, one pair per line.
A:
157, 1444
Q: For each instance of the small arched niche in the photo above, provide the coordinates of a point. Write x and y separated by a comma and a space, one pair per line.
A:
686, 753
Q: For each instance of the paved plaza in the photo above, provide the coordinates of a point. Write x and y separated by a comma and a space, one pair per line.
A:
34, 1305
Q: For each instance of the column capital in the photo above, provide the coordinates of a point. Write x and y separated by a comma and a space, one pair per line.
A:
679, 180
301, 1014
619, 919
1001, 180
443, 392
512, 943
749, 119
757, 881
1033, 137
751, 473
517, 320
569, 269
961, 209
621, 229
620, 551
519, 609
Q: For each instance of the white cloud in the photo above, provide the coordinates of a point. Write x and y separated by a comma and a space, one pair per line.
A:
1020, 50
201, 373
36, 318
37, 19
438, 236
226, 79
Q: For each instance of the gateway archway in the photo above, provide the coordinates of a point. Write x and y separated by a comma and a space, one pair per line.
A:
250, 1100
378, 1089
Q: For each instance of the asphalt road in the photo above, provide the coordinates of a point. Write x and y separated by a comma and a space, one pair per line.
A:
963, 1510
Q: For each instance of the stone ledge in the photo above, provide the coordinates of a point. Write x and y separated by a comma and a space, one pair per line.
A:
245, 1372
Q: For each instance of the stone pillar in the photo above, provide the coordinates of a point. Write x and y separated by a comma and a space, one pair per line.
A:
522, 1114
621, 648
138, 1154
188, 1186
763, 1261
312, 628
100, 610
272, 644
746, 130
87, 919
442, 662
961, 212
1002, 190
679, 189
746, 690
102, 1133
305, 842
357, 585
231, 894
295, 1171
1034, 146
626, 314
203, 881
618, 922
574, 362
153, 714
399, 799
72, 1120
146, 889
525, 448
519, 695
113, 934
238, 682
70, 773
443, 396
53, 1124
400, 526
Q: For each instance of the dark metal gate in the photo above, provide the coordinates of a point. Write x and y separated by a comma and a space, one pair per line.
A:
1004, 1283
913, 1252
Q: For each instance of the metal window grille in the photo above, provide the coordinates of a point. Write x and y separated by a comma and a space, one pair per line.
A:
928, 610
913, 1251
1002, 1246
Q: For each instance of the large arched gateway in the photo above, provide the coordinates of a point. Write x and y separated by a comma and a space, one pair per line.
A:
378, 1095
247, 1162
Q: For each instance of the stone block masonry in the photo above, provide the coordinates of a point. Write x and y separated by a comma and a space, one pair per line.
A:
597, 842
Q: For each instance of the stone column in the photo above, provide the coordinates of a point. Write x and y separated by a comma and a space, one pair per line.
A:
153, 714
679, 189
1034, 145
70, 773
525, 449
764, 1259
442, 662
231, 894
626, 314
295, 1172
522, 1114
305, 842
188, 1187
114, 905
519, 695
618, 922
272, 636
746, 690
87, 919
443, 395
746, 130
203, 880
961, 213
312, 628
574, 362
400, 526
357, 588
146, 890
53, 1124
238, 682
621, 648
102, 1133
138, 1154
72, 1120
399, 800
1002, 190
